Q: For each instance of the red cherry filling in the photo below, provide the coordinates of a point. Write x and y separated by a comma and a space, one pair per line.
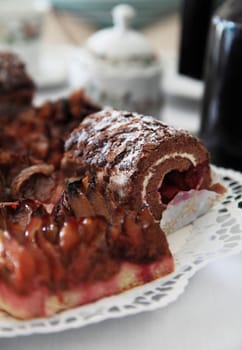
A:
176, 181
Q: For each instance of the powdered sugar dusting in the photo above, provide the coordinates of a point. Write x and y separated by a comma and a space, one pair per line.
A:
114, 142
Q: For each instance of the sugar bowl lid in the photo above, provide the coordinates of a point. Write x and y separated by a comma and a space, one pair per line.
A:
120, 42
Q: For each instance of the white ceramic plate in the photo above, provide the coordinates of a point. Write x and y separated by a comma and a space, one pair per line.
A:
217, 234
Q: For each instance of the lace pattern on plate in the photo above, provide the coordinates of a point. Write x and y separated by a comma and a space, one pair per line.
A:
214, 235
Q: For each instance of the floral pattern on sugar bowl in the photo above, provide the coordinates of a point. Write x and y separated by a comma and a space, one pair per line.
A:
118, 67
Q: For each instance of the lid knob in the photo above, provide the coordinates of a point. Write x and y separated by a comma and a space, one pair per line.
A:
123, 15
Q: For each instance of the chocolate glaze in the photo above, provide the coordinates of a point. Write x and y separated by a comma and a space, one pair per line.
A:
16, 86
12, 73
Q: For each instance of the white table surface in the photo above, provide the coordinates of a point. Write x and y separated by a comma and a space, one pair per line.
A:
207, 316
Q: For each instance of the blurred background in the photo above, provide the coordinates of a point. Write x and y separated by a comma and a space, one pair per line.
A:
72, 21
79, 18
59, 22
97, 11
48, 34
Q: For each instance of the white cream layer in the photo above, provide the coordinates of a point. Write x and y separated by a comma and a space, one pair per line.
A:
160, 161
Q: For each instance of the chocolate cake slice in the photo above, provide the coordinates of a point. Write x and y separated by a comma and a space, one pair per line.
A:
138, 161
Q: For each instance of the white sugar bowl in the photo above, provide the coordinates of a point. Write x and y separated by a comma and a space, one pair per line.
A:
118, 67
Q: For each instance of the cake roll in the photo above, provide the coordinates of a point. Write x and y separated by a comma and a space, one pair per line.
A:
139, 162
